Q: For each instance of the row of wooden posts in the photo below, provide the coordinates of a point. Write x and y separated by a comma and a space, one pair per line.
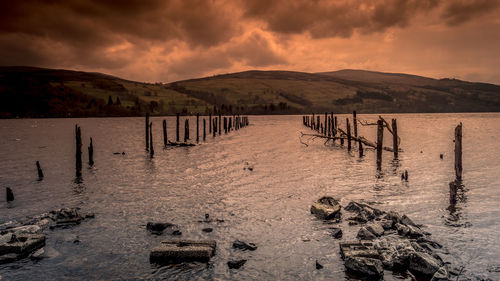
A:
215, 124
329, 128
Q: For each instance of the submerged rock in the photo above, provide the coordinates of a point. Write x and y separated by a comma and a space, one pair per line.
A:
177, 250
158, 228
423, 263
364, 266
244, 246
21, 246
326, 208
236, 264
336, 233
318, 265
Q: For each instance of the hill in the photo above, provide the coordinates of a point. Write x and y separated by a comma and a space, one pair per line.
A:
38, 92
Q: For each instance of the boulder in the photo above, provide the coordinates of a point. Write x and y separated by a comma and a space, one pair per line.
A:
326, 208
177, 250
364, 266
423, 263
375, 228
244, 246
236, 264
365, 234
401, 257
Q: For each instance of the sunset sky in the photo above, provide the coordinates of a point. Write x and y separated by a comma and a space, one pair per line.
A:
180, 39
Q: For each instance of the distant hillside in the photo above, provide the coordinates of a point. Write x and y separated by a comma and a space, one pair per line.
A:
37, 92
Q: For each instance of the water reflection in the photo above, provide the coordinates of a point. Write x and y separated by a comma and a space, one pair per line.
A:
458, 199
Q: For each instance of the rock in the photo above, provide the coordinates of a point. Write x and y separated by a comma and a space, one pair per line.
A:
358, 249
336, 233
244, 246
393, 216
177, 250
207, 229
414, 232
424, 240
376, 229
158, 228
361, 218
66, 217
402, 229
402, 255
23, 244
175, 232
365, 234
10, 194
26, 229
38, 254
8, 258
236, 264
365, 211
326, 208
318, 265
386, 224
364, 266
407, 221
44, 223
423, 263
441, 274
90, 216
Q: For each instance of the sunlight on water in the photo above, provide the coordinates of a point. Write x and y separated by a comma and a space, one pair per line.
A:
268, 205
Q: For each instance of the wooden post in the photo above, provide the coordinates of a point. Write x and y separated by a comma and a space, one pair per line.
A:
197, 127
317, 123
165, 137
210, 123
229, 124
177, 128
313, 124
147, 131
204, 129
151, 149
186, 130
395, 145
324, 126
458, 152
321, 128
355, 123
78, 137
39, 169
214, 129
453, 193
348, 134
220, 124
10, 194
91, 153
360, 148
380, 139
225, 125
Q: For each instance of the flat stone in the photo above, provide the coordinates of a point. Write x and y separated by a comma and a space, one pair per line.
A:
236, 264
244, 246
364, 266
38, 254
23, 244
178, 250
358, 249
365, 234
423, 263
326, 208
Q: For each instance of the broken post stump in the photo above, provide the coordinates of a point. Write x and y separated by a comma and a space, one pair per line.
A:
151, 149
225, 125
458, 151
395, 145
10, 194
197, 127
177, 128
360, 148
91, 153
147, 131
78, 158
210, 123
355, 123
214, 129
179, 250
39, 169
380, 139
453, 193
348, 134
165, 137
204, 129
325, 124
220, 124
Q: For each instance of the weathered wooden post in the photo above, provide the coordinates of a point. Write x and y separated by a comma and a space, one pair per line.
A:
360, 148
78, 158
91, 153
225, 125
317, 123
204, 129
220, 124
355, 123
453, 193
321, 128
186, 130
395, 144
10, 194
313, 125
151, 149
214, 126
229, 123
380, 139
348, 125
210, 123
458, 152
197, 127
165, 137
324, 126
147, 131
39, 169
177, 128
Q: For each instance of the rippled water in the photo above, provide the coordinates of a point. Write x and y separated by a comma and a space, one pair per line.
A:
268, 206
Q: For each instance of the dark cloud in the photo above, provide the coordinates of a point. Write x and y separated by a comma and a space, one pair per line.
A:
461, 11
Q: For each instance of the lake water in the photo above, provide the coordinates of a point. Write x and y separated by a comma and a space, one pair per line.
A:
268, 206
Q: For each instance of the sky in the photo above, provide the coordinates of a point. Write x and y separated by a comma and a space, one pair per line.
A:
171, 40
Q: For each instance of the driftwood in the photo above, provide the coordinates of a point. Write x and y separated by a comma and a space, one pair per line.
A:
171, 143
343, 135
386, 124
